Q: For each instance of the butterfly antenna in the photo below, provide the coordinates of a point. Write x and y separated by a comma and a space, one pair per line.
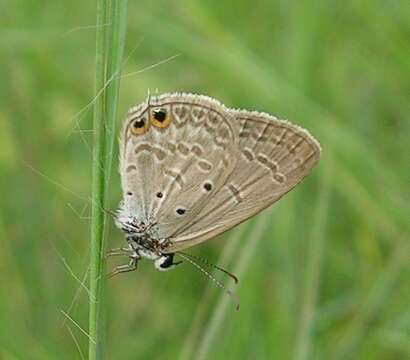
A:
234, 296
206, 262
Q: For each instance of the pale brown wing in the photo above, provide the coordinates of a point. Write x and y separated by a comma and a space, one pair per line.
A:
169, 173
273, 157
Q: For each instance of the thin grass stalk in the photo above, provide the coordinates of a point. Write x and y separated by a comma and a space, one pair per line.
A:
117, 42
239, 269
110, 38
313, 267
98, 184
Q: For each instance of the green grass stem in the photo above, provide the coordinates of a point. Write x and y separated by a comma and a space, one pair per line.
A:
98, 186
110, 39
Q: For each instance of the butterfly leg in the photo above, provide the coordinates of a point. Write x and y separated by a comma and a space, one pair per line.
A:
131, 266
119, 251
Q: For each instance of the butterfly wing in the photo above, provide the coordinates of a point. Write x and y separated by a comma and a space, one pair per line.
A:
170, 170
273, 156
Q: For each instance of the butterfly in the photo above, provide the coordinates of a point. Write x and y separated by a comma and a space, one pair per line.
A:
192, 168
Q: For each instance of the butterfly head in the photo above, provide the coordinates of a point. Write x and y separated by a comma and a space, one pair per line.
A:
143, 242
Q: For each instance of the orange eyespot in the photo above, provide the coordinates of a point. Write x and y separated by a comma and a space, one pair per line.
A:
160, 118
139, 126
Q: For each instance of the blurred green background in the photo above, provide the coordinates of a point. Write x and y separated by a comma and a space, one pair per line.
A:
324, 274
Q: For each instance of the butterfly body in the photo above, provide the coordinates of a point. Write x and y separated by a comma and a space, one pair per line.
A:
143, 242
192, 168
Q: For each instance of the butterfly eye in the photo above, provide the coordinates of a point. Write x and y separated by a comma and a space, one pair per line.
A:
139, 126
160, 118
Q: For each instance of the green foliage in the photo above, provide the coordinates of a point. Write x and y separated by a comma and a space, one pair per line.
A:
327, 274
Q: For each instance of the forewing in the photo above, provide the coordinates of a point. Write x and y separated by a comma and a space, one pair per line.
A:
273, 156
170, 173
